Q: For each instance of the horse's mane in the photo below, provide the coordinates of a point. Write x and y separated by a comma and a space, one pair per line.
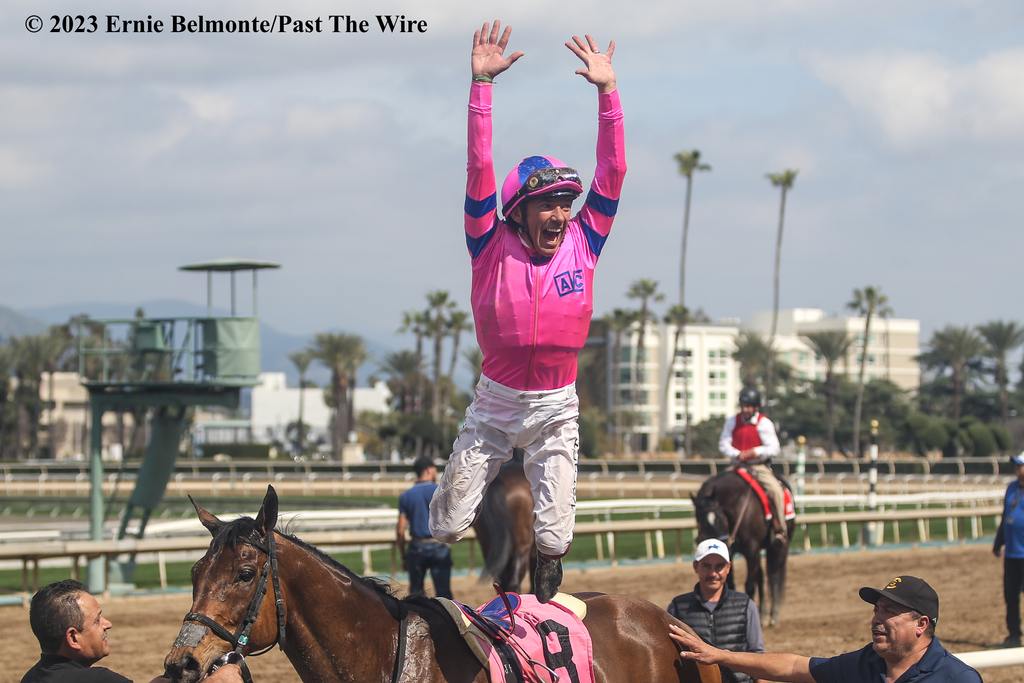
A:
245, 530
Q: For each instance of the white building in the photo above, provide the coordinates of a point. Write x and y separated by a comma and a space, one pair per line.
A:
275, 405
649, 399
646, 401
892, 348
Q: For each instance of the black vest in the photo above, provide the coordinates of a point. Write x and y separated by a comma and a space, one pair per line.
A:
725, 628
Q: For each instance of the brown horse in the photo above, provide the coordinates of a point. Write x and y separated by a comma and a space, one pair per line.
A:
727, 508
256, 587
504, 528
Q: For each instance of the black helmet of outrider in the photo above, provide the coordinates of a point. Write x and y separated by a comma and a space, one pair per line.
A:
750, 397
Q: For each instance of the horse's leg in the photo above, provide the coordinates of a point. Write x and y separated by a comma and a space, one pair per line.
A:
777, 558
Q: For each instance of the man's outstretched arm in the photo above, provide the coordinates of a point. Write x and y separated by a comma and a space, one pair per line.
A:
774, 666
602, 201
487, 61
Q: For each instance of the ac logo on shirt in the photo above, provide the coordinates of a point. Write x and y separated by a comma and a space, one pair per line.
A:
569, 282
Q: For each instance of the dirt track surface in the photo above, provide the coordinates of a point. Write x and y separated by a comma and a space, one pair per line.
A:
823, 615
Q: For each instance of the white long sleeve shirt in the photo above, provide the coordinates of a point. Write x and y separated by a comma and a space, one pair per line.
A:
769, 447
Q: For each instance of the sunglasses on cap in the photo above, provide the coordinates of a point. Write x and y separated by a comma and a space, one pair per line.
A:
544, 177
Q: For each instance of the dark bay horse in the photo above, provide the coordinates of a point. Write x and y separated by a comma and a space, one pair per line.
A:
727, 508
256, 587
504, 528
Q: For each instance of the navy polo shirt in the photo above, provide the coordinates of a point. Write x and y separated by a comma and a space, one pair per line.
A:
864, 665
57, 669
415, 505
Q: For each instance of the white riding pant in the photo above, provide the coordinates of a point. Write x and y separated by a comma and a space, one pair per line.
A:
545, 424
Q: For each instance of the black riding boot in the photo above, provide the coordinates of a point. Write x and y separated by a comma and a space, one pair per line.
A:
547, 577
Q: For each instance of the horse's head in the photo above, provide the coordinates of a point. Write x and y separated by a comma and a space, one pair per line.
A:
711, 519
231, 587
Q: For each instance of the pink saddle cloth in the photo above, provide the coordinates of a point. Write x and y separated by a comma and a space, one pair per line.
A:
550, 644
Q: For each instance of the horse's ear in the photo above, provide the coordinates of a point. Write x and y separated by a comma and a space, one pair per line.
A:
207, 518
267, 517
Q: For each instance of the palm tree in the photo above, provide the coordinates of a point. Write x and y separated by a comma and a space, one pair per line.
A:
342, 354
7, 424
830, 346
301, 361
752, 353
678, 316
458, 322
619, 321
646, 291
404, 369
416, 322
30, 360
1002, 337
784, 181
956, 349
439, 307
688, 163
867, 303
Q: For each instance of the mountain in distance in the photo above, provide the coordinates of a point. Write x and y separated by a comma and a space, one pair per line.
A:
15, 324
275, 344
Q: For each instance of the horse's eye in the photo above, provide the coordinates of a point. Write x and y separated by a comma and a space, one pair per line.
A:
246, 575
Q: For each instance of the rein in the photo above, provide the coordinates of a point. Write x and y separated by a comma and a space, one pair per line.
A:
739, 518
239, 640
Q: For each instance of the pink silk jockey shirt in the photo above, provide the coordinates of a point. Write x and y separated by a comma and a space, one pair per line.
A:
533, 314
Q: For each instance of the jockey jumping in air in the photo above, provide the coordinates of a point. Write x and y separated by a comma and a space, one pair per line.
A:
532, 297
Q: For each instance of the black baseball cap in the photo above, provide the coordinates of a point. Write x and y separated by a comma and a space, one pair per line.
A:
908, 591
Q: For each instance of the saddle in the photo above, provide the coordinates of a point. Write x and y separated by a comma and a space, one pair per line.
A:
789, 509
520, 640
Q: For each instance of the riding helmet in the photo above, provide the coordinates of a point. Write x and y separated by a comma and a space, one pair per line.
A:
750, 397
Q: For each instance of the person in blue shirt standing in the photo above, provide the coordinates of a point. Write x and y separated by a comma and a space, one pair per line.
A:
423, 552
1011, 535
903, 646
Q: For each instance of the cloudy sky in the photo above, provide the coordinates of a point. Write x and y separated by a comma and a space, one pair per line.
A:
342, 156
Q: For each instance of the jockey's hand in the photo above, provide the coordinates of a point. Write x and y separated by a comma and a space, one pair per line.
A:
488, 57
693, 647
598, 69
748, 454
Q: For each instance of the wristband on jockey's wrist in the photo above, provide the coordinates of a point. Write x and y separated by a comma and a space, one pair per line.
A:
483, 78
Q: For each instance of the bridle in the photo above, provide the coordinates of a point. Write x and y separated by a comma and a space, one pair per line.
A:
239, 640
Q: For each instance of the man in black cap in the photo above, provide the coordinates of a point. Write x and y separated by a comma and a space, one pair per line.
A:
903, 646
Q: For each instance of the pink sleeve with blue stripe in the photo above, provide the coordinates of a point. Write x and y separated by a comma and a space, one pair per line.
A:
481, 209
602, 201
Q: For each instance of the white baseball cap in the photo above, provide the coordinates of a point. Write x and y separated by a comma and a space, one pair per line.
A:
711, 546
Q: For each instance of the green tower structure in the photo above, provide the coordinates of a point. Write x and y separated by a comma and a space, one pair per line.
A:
163, 366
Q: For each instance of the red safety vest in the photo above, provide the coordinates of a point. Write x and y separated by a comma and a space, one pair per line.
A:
744, 434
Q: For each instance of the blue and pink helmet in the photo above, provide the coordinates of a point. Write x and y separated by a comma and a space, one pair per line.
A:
538, 175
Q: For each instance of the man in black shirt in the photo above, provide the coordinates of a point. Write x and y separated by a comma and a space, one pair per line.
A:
72, 632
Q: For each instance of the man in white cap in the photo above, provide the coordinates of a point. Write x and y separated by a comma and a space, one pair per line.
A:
725, 618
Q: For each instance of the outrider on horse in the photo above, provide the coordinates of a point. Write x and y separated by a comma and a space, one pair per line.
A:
734, 507
727, 508
256, 587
